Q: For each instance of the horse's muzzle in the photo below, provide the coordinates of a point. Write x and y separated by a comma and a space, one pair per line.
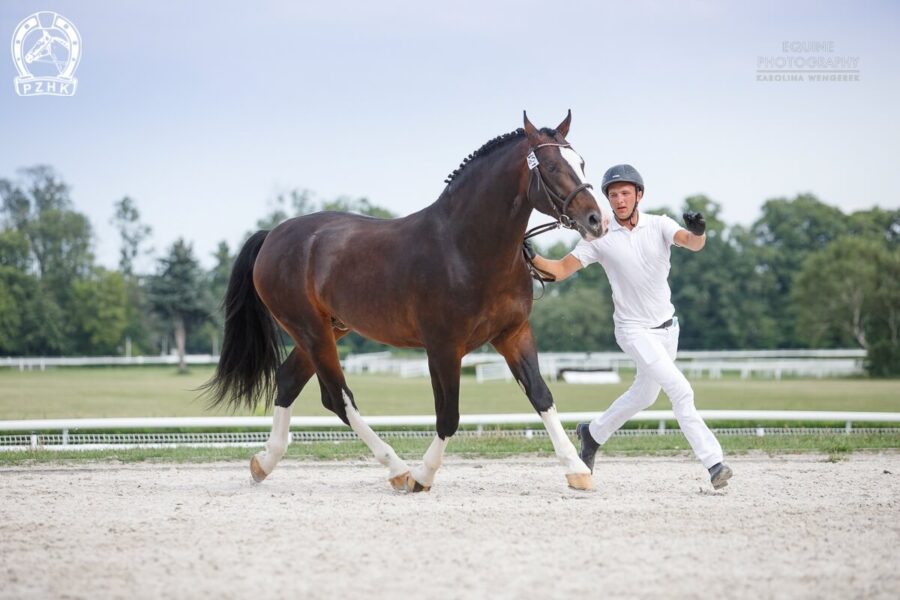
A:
592, 226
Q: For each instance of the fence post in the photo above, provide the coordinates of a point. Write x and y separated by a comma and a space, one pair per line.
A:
662, 427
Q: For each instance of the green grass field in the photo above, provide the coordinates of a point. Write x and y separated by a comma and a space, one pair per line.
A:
160, 392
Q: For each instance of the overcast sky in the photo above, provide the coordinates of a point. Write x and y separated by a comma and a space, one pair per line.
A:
202, 111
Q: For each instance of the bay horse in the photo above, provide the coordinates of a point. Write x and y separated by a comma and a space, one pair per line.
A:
449, 278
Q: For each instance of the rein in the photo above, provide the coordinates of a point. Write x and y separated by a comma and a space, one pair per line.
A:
539, 275
553, 199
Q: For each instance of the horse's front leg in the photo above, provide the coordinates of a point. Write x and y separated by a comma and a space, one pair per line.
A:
519, 350
445, 367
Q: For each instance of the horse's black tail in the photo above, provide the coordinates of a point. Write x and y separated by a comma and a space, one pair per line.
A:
251, 350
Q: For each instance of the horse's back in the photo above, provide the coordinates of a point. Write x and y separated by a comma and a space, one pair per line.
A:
355, 268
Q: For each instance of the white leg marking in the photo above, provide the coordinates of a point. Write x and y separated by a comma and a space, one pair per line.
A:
565, 450
431, 462
382, 451
278, 440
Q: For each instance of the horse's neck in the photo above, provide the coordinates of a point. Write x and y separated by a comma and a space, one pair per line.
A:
486, 211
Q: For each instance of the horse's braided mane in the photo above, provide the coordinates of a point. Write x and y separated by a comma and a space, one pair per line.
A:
491, 145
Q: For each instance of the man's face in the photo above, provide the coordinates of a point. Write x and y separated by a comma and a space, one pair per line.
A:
622, 198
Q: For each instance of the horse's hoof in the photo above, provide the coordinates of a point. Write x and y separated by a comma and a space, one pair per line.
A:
414, 486
580, 481
399, 482
256, 470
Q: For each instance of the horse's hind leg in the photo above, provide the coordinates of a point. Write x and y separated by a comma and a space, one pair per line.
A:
292, 375
320, 343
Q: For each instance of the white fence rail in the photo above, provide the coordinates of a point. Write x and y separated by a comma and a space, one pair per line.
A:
490, 366
35, 434
773, 368
531, 418
41, 363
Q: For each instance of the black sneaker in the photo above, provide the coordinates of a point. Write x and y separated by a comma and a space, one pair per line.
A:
719, 474
589, 446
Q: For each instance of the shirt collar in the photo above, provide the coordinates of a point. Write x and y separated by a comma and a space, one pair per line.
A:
615, 225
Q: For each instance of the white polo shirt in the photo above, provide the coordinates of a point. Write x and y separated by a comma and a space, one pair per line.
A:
637, 264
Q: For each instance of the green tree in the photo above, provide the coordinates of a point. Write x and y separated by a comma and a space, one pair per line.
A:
574, 314
178, 296
133, 237
42, 234
100, 312
577, 320
876, 223
31, 323
14, 250
211, 333
847, 294
59, 237
716, 292
132, 234
787, 232
293, 203
883, 335
299, 202
360, 206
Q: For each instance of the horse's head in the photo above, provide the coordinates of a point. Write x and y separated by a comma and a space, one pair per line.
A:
557, 185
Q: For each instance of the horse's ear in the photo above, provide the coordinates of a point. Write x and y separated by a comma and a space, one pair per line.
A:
530, 130
563, 128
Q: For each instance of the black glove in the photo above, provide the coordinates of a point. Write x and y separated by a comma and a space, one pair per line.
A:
528, 250
694, 222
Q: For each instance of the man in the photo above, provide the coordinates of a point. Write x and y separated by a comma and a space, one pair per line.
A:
635, 254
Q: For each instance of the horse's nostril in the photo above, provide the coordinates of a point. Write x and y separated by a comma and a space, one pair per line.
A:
594, 220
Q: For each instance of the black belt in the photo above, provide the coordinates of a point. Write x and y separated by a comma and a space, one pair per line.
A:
664, 325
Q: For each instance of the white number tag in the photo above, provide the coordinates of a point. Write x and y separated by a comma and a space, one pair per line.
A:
532, 160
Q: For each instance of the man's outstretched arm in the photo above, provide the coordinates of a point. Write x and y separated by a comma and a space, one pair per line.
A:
560, 269
693, 236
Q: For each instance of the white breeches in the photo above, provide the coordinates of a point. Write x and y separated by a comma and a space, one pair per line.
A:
653, 352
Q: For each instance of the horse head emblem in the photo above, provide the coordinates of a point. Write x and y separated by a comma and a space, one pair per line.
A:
46, 49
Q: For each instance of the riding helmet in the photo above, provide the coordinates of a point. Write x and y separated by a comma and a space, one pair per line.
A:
619, 173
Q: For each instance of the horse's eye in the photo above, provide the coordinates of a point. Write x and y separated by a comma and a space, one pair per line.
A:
551, 166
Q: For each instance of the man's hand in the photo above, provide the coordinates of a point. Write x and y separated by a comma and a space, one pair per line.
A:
528, 249
694, 222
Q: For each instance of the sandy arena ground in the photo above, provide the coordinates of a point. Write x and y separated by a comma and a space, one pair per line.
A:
790, 527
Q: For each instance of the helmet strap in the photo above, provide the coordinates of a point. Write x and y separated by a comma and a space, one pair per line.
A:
630, 218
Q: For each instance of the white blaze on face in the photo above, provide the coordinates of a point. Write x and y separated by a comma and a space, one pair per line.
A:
574, 161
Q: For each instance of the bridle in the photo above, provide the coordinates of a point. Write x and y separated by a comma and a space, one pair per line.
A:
558, 204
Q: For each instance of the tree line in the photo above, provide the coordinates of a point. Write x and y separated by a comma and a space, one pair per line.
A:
805, 274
